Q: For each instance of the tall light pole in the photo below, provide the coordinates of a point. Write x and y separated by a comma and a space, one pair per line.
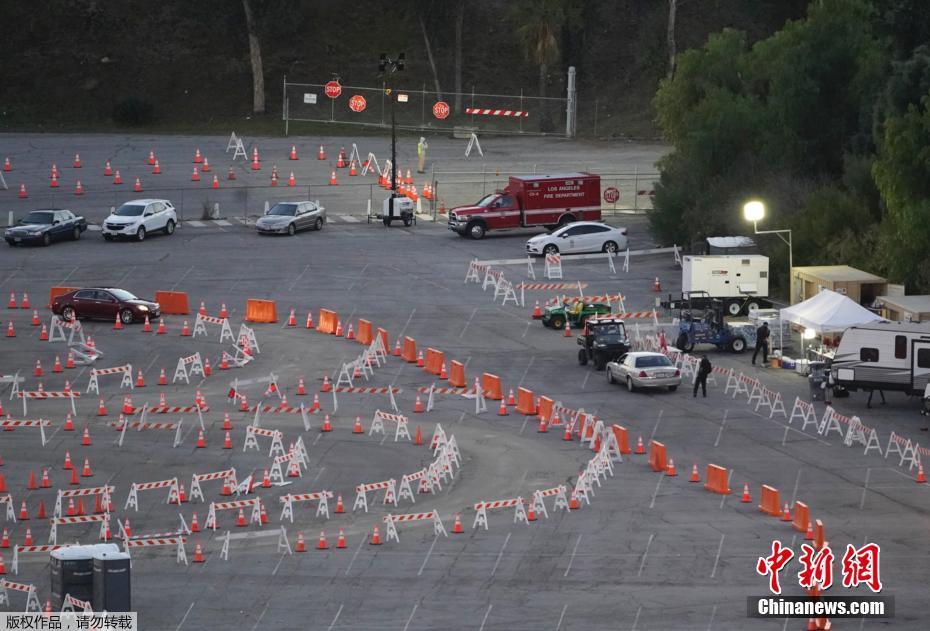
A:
390, 66
754, 211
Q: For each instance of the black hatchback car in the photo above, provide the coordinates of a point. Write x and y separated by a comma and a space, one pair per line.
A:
45, 226
104, 304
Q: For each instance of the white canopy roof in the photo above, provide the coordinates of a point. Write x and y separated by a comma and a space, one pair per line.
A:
827, 312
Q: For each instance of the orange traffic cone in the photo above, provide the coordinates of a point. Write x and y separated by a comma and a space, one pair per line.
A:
23, 513
2, 566
746, 499
137, 187
10, 331
77, 161
326, 385
161, 330
197, 157
420, 361
67, 466
670, 469
31, 485
567, 436
198, 554
38, 370
418, 405
786, 513
27, 540
45, 483
240, 519
418, 437
502, 410
201, 441
85, 439
227, 442
457, 526
156, 168
195, 525
5, 541
86, 471
301, 544
291, 180
321, 155
321, 544
375, 536
341, 541
396, 346
332, 179
327, 426
340, 508
809, 535
216, 182
640, 448
350, 334
568, 330
656, 285
316, 402
543, 426
147, 325
695, 477
162, 378
140, 381
206, 166
185, 330
511, 400
921, 478
357, 428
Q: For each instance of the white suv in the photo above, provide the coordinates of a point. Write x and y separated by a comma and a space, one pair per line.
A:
137, 218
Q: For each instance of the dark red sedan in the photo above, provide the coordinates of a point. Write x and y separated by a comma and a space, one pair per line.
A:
104, 304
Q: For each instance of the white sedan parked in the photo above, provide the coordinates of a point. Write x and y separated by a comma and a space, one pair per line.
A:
644, 370
578, 237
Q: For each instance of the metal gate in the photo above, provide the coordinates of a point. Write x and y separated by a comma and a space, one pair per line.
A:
427, 110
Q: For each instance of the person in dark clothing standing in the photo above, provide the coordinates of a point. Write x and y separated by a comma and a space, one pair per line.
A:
762, 342
703, 370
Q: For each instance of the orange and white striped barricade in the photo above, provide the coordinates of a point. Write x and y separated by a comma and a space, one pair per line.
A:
284, 546
472, 273
48, 394
907, 451
323, 497
103, 519
404, 490
872, 442
10, 510
57, 328
174, 409
490, 278
70, 603
482, 508
361, 493
105, 492
291, 458
228, 476
247, 337
177, 541
32, 600
14, 423
19, 550
93, 384
401, 422
553, 266
200, 327
251, 439
733, 383
830, 422
439, 439
254, 503
802, 410
560, 493
188, 366
855, 433
391, 521
142, 425
174, 493
237, 360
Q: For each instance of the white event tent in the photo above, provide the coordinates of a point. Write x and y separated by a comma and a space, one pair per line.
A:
828, 312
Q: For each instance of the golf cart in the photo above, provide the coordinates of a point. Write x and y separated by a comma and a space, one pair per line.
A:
575, 310
707, 327
604, 338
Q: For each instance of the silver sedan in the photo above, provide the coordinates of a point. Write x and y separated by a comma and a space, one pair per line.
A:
291, 217
644, 370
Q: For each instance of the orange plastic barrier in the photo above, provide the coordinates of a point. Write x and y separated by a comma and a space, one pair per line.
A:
819, 534
545, 408
771, 501
261, 311
57, 291
491, 384
410, 350
364, 335
172, 302
526, 403
623, 438
802, 516
434, 361
717, 480
327, 321
657, 459
384, 339
457, 374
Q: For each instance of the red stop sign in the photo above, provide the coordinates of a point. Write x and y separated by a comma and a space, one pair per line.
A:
611, 195
357, 103
441, 110
332, 89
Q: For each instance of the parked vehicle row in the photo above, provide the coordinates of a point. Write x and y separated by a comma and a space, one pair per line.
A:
136, 219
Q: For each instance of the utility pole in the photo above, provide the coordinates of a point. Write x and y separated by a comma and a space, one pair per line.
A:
390, 66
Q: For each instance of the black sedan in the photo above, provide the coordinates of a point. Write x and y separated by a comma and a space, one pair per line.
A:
104, 304
45, 226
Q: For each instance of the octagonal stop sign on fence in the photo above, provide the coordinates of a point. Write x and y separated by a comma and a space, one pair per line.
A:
441, 109
357, 103
611, 195
332, 89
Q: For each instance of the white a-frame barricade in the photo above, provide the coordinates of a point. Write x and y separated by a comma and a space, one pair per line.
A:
56, 331
174, 496
322, 509
200, 327
188, 366
32, 600
126, 382
229, 482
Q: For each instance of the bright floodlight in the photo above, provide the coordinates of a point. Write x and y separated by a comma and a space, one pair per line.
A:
809, 334
754, 210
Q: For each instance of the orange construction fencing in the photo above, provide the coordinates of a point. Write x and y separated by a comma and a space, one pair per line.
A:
457, 374
327, 322
491, 384
545, 408
58, 291
771, 501
261, 311
364, 335
717, 481
802, 516
526, 403
172, 302
657, 459
623, 438
410, 350
434, 361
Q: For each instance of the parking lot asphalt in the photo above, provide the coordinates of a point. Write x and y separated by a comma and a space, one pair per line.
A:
649, 552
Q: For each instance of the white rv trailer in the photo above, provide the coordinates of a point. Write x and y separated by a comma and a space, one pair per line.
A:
884, 356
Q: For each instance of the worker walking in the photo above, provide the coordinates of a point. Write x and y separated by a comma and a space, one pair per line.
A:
762, 342
421, 155
704, 369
